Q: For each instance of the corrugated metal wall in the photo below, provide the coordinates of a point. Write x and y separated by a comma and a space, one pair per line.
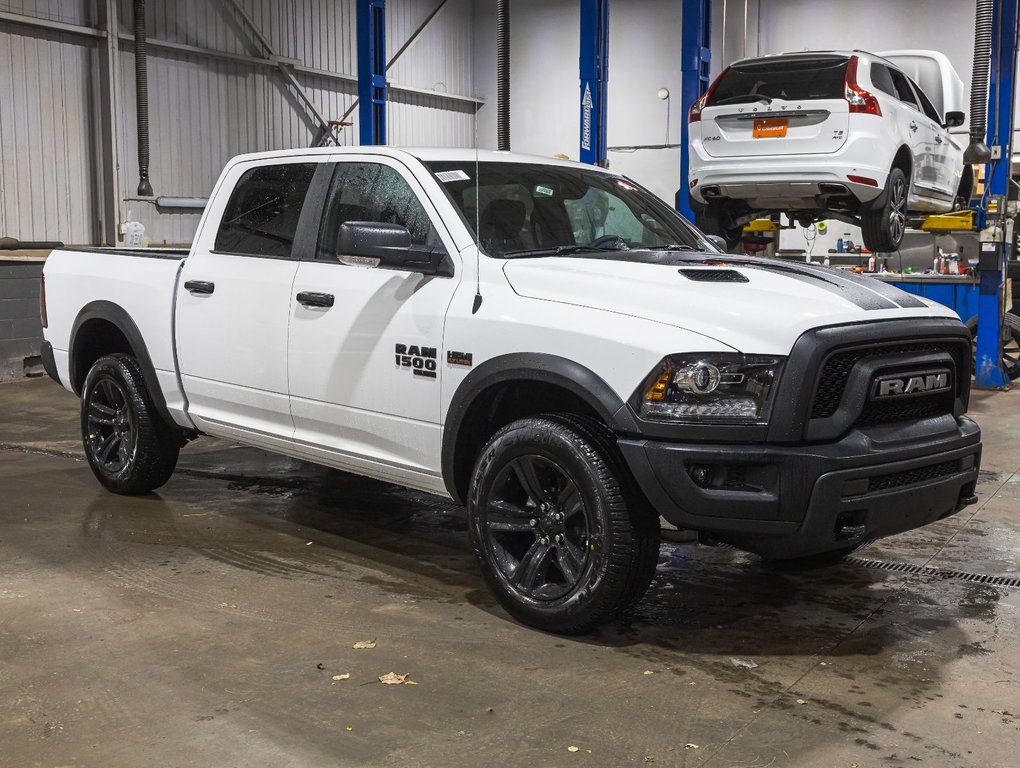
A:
203, 109
46, 113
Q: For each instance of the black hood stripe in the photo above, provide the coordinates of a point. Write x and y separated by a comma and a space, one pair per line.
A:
865, 292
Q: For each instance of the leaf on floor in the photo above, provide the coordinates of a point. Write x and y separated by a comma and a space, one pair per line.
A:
363, 644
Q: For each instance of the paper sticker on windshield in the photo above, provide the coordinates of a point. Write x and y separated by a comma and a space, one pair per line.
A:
544, 191
447, 176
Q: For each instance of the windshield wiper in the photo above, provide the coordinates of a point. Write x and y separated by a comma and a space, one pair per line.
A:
744, 97
561, 250
670, 247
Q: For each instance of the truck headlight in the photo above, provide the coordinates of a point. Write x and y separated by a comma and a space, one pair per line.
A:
710, 387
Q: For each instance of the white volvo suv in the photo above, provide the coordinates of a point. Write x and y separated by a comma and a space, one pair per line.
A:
837, 134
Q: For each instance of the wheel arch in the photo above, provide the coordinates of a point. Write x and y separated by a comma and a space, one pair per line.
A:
513, 386
103, 328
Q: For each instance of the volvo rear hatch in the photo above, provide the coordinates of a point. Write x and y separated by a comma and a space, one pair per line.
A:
779, 105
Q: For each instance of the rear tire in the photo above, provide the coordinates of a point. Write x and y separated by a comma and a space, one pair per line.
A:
130, 449
965, 190
563, 538
883, 229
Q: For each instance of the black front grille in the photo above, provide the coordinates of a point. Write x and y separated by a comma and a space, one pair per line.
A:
837, 367
911, 476
890, 412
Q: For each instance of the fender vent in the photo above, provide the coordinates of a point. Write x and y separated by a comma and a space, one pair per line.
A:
713, 275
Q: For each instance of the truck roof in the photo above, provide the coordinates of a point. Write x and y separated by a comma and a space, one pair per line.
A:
425, 154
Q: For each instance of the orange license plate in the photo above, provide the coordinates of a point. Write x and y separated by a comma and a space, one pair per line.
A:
770, 128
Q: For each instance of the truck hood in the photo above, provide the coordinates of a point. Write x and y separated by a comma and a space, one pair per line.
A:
754, 305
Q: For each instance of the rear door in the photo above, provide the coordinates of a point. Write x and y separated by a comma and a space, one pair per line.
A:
233, 301
945, 151
784, 105
917, 128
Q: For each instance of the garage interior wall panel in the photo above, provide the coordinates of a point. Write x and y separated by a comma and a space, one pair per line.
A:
46, 151
203, 110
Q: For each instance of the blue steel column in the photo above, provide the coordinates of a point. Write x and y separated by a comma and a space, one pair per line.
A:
1001, 108
372, 71
695, 58
594, 67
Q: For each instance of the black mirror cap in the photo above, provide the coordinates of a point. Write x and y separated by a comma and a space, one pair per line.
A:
388, 246
371, 240
718, 242
955, 119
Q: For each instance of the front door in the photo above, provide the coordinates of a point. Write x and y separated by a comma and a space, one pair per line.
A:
365, 372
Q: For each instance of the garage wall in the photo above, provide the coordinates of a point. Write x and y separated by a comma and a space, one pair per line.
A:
203, 109
46, 107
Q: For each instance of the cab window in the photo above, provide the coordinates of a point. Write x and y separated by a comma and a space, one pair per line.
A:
371, 192
903, 90
261, 217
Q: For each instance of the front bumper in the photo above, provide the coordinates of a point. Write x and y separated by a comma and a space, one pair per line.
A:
795, 501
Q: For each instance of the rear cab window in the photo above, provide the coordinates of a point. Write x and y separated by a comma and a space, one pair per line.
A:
261, 217
784, 77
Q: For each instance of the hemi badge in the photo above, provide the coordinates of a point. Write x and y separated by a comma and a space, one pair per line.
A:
459, 358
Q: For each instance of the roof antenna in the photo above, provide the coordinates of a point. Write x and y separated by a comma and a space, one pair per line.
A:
478, 230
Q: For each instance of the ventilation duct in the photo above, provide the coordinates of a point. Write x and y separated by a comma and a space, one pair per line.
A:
978, 151
503, 74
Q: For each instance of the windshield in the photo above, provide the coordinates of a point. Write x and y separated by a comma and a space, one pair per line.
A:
532, 209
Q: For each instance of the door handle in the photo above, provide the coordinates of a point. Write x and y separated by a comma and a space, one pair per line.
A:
199, 286
311, 299
913, 125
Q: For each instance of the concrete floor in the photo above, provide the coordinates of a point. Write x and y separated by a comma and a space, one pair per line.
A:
202, 627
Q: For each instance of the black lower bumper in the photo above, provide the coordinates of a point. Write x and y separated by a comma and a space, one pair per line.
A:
794, 501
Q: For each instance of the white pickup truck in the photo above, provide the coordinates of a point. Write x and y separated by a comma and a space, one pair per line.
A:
543, 341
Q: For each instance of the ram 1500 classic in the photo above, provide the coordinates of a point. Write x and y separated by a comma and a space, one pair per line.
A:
543, 341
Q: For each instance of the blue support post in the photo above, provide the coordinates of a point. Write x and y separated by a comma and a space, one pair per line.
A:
695, 58
372, 71
1001, 89
594, 67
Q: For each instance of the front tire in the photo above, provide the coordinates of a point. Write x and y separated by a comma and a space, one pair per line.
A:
563, 538
883, 229
130, 449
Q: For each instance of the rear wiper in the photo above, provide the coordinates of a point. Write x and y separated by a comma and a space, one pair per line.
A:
561, 250
745, 97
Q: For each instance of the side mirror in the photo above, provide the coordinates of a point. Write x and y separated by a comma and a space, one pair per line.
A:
388, 246
955, 119
718, 242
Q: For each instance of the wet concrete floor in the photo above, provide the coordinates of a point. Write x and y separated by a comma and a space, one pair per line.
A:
203, 626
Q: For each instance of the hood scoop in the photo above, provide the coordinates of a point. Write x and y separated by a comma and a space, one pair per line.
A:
713, 275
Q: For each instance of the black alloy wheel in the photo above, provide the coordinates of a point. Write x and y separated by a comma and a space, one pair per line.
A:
537, 529
129, 447
562, 535
111, 435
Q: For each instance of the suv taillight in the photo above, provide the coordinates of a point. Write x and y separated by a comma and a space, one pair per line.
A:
42, 302
694, 116
861, 101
